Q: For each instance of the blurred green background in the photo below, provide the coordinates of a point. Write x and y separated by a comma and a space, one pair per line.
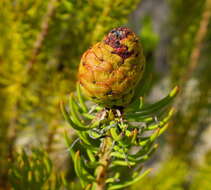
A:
41, 43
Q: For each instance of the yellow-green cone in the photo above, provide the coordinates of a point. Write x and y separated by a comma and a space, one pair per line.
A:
111, 69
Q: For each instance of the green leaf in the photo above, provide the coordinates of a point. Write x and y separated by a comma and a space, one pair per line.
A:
128, 183
80, 98
74, 114
72, 124
151, 109
93, 144
83, 174
161, 123
138, 118
122, 163
91, 155
115, 136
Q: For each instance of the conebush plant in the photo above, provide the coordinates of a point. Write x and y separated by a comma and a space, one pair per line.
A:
112, 139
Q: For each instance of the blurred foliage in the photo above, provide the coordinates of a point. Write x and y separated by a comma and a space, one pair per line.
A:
201, 177
184, 29
33, 171
30, 172
175, 174
160, 180
148, 37
40, 47
190, 65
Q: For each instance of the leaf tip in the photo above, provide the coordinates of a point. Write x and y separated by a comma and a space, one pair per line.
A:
175, 91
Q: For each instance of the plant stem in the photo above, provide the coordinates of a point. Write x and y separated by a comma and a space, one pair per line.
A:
104, 160
200, 35
43, 33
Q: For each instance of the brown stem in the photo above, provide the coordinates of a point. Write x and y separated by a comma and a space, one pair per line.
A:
196, 52
200, 35
43, 33
101, 171
186, 141
51, 136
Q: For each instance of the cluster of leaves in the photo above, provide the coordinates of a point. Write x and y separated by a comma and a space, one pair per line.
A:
112, 134
34, 170
30, 172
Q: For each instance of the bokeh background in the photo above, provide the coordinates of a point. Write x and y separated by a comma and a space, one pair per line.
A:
41, 43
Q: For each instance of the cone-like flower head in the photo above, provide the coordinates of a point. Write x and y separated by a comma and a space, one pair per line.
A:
111, 69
